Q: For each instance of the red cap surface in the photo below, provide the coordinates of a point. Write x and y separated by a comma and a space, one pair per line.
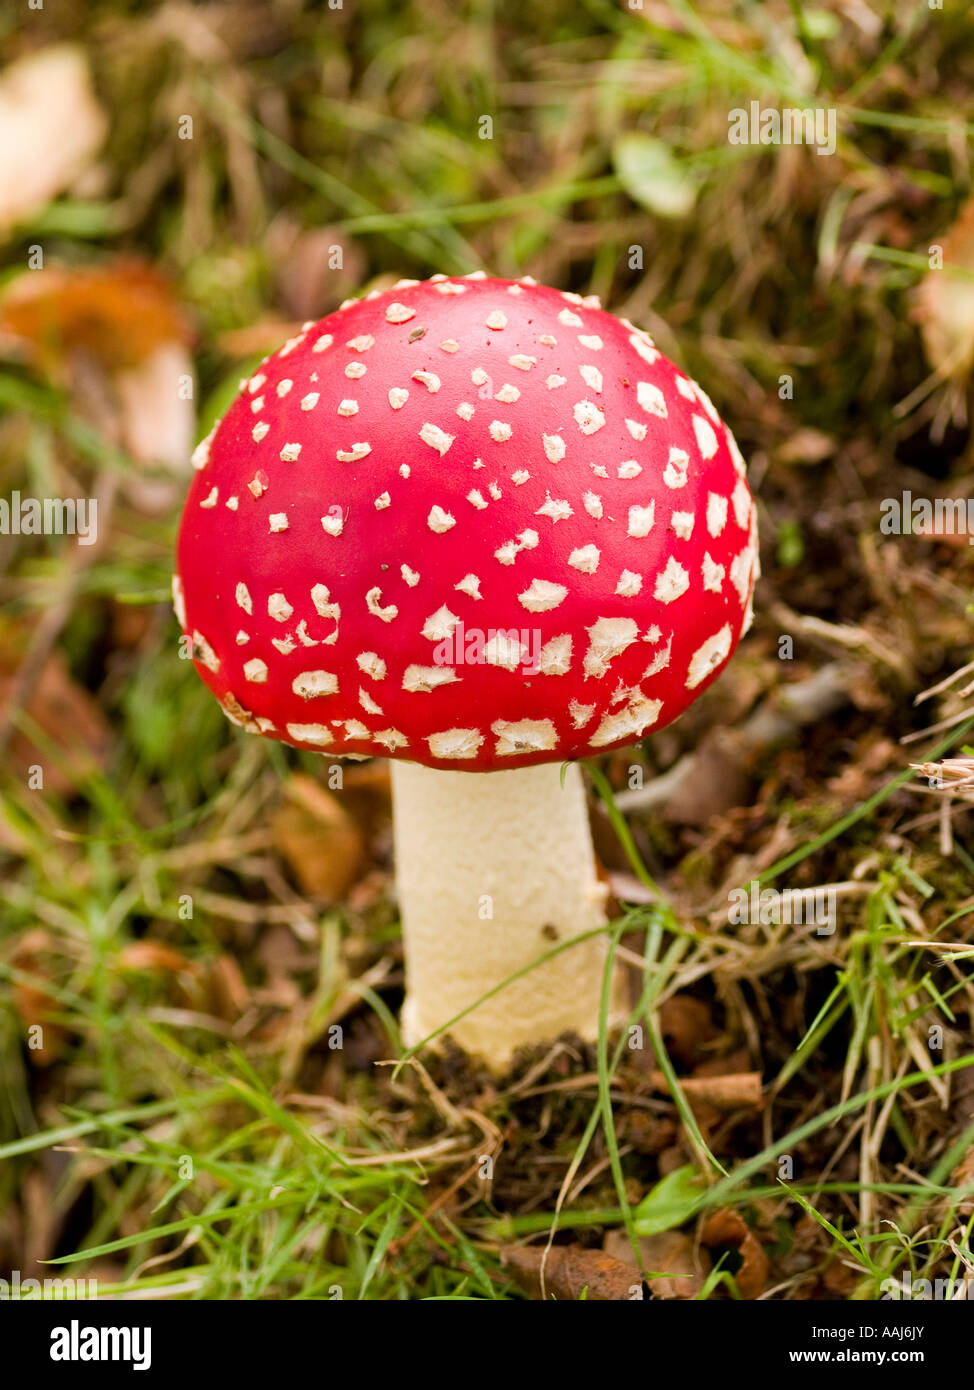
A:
474, 523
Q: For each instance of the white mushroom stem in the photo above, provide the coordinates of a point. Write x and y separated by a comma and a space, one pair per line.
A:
493, 870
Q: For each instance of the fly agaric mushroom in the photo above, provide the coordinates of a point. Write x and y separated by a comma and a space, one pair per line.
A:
483, 528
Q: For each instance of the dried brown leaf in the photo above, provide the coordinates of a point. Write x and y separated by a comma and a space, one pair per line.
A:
687, 1027
118, 314
146, 956
70, 719
726, 1227
682, 1267
320, 840
571, 1272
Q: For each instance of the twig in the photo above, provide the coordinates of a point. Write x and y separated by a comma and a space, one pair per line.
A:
779, 716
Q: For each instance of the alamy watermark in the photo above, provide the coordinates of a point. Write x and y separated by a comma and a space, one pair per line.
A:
77, 1343
755, 124
943, 516
910, 1290
789, 906
17, 1289
511, 648
50, 516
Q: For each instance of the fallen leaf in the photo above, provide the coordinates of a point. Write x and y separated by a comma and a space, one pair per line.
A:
70, 719
146, 955
118, 314
572, 1272
320, 840
726, 1227
672, 1201
806, 445
117, 338
653, 176
675, 1267
687, 1027
51, 127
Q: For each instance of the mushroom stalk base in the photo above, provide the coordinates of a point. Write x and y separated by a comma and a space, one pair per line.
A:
493, 870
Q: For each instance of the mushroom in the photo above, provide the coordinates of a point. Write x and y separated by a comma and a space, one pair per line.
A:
483, 528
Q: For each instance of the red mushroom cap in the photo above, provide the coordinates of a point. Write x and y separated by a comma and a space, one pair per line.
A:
473, 523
